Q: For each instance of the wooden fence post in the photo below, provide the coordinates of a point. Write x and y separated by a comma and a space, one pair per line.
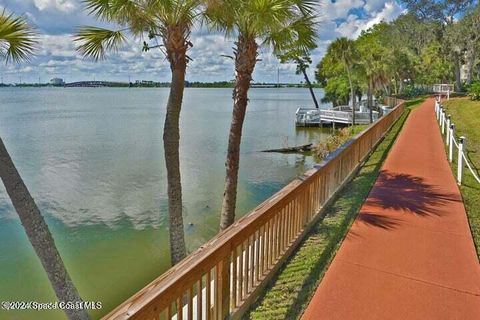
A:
224, 288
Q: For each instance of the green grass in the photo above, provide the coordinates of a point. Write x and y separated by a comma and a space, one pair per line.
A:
466, 116
291, 290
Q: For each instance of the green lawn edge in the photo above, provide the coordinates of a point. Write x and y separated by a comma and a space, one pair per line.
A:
466, 114
290, 291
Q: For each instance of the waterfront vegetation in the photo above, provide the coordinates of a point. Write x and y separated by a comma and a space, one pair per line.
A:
466, 116
292, 288
322, 149
420, 48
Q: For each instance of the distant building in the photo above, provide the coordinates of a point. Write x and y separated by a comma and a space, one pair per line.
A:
57, 82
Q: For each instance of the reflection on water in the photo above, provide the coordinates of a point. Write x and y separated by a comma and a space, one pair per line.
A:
93, 161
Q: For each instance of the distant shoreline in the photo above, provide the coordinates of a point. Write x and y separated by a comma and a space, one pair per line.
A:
106, 84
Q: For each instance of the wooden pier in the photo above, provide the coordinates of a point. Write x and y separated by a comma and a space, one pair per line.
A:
308, 117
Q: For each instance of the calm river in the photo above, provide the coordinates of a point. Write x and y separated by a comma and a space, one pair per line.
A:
93, 160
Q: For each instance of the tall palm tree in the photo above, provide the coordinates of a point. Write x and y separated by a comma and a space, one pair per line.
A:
375, 61
343, 50
17, 43
303, 61
274, 23
168, 22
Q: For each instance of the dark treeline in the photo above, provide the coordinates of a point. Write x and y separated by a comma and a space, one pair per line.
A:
436, 42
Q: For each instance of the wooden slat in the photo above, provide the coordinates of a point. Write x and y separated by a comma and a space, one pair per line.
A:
169, 312
267, 246
216, 305
190, 304
282, 230
180, 308
199, 299
252, 261
240, 275
223, 288
233, 300
262, 252
247, 267
257, 256
208, 297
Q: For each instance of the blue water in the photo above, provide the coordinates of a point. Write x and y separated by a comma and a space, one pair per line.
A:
93, 160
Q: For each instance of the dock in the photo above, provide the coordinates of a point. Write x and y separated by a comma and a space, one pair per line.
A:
312, 117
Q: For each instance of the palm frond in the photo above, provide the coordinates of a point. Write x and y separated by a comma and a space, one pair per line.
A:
112, 10
17, 38
296, 39
96, 42
219, 17
174, 12
279, 23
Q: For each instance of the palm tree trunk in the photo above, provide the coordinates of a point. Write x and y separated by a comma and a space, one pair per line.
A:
352, 93
39, 235
245, 60
369, 100
470, 62
458, 80
309, 84
176, 46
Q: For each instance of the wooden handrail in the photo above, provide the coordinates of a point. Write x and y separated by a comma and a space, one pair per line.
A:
223, 277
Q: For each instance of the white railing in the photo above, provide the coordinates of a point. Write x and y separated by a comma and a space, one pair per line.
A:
445, 89
447, 128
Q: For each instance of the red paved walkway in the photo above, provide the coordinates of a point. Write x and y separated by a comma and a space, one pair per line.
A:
409, 253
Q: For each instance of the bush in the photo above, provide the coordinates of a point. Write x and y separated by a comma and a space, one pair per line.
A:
474, 91
410, 92
339, 137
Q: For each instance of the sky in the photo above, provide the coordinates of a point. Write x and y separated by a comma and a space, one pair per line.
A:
57, 20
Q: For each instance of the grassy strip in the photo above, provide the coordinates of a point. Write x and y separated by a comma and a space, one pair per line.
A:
292, 289
466, 116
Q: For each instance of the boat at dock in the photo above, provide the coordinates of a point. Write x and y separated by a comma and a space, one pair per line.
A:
313, 117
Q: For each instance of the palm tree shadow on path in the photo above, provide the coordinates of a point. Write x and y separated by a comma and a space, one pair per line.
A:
397, 194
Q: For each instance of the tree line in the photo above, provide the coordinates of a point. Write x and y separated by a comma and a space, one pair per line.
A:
429, 44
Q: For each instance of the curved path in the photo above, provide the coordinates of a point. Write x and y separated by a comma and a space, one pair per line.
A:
409, 254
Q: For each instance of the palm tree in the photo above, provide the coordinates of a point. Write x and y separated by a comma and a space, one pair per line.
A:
303, 61
343, 50
375, 61
17, 43
168, 22
274, 23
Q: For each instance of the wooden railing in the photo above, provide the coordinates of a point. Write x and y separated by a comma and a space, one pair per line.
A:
223, 277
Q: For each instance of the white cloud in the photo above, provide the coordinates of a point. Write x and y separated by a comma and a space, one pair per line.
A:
60, 5
338, 9
354, 25
58, 19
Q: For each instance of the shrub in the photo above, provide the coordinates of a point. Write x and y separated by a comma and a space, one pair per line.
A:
474, 91
410, 92
339, 137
